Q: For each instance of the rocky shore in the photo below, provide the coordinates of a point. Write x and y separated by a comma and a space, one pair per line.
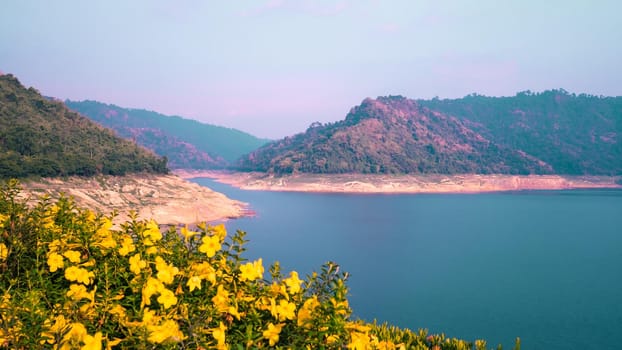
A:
168, 199
361, 183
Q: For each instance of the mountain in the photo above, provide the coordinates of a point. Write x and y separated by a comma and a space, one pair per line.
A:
552, 132
391, 135
575, 134
188, 144
40, 137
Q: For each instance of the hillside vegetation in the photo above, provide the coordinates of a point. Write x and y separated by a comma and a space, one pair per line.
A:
574, 134
549, 133
188, 144
391, 135
39, 137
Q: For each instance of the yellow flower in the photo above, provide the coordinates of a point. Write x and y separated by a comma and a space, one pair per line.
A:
187, 233
262, 303
149, 317
210, 246
4, 252
89, 263
4, 301
279, 289
103, 236
59, 325
194, 282
54, 245
168, 331
112, 343
272, 333
78, 292
305, 314
332, 339
233, 311
118, 311
107, 242
127, 245
76, 333
151, 287
357, 327
293, 282
136, 264
205, 271
480, 344
286, 310
221, 299
273, 309
167, 298
72, 256
78, 274
219, 335
92, 342
220, 231
48, 222
252, 271
152, 233
55, 262
151, 250
90, 216
166, 272
104, 229
359, 341
389, 345
341, 307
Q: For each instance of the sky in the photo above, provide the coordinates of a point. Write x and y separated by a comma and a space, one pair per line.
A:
273, 67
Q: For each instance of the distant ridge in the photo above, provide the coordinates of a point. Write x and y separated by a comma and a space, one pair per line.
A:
552, 132
188, 144
575, 134
42, 137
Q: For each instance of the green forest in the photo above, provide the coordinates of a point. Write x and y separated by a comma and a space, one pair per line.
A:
575, 134
40, 137
553, 132
188, 144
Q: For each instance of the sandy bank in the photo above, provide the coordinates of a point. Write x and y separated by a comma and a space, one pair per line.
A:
168, 199
360, 183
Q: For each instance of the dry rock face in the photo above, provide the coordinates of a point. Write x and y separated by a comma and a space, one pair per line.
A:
168, 199
360, 183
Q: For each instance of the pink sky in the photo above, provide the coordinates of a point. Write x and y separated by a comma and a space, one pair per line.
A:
271, 68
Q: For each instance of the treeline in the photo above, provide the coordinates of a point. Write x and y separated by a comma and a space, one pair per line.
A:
549, 132
41, 137
575, 134
391, 135
186, 143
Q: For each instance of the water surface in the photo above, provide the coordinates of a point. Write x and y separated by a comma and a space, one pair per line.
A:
545, 266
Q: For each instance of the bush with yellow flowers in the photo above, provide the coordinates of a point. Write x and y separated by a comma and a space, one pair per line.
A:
70, 279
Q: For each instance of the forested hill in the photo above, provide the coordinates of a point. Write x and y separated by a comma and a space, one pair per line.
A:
391, 135
575, 134
186, 143
40, 137
552, 132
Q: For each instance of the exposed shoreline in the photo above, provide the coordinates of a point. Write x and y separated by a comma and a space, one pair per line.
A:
168, 199
388, 184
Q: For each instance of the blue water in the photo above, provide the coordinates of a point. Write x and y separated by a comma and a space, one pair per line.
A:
543, 266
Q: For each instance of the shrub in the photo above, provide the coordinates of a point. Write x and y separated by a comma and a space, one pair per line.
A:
71, 279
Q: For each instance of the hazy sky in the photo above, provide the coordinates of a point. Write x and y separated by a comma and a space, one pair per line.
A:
273, 67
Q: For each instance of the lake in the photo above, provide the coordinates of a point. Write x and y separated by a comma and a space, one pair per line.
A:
545, 266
